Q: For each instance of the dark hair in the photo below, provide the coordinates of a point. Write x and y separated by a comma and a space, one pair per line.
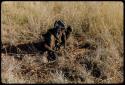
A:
59, 23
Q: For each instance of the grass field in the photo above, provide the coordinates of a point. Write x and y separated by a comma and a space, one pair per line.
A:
101, 23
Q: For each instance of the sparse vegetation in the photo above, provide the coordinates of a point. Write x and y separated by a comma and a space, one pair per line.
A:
100, 25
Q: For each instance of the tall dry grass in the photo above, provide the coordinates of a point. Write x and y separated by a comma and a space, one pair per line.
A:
101, 23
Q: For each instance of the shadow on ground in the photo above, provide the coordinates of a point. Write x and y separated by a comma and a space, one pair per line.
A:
29, 48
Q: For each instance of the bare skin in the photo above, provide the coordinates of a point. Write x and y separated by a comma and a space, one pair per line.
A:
64, 36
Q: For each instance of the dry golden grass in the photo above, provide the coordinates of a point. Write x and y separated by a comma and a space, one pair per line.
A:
100, 22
